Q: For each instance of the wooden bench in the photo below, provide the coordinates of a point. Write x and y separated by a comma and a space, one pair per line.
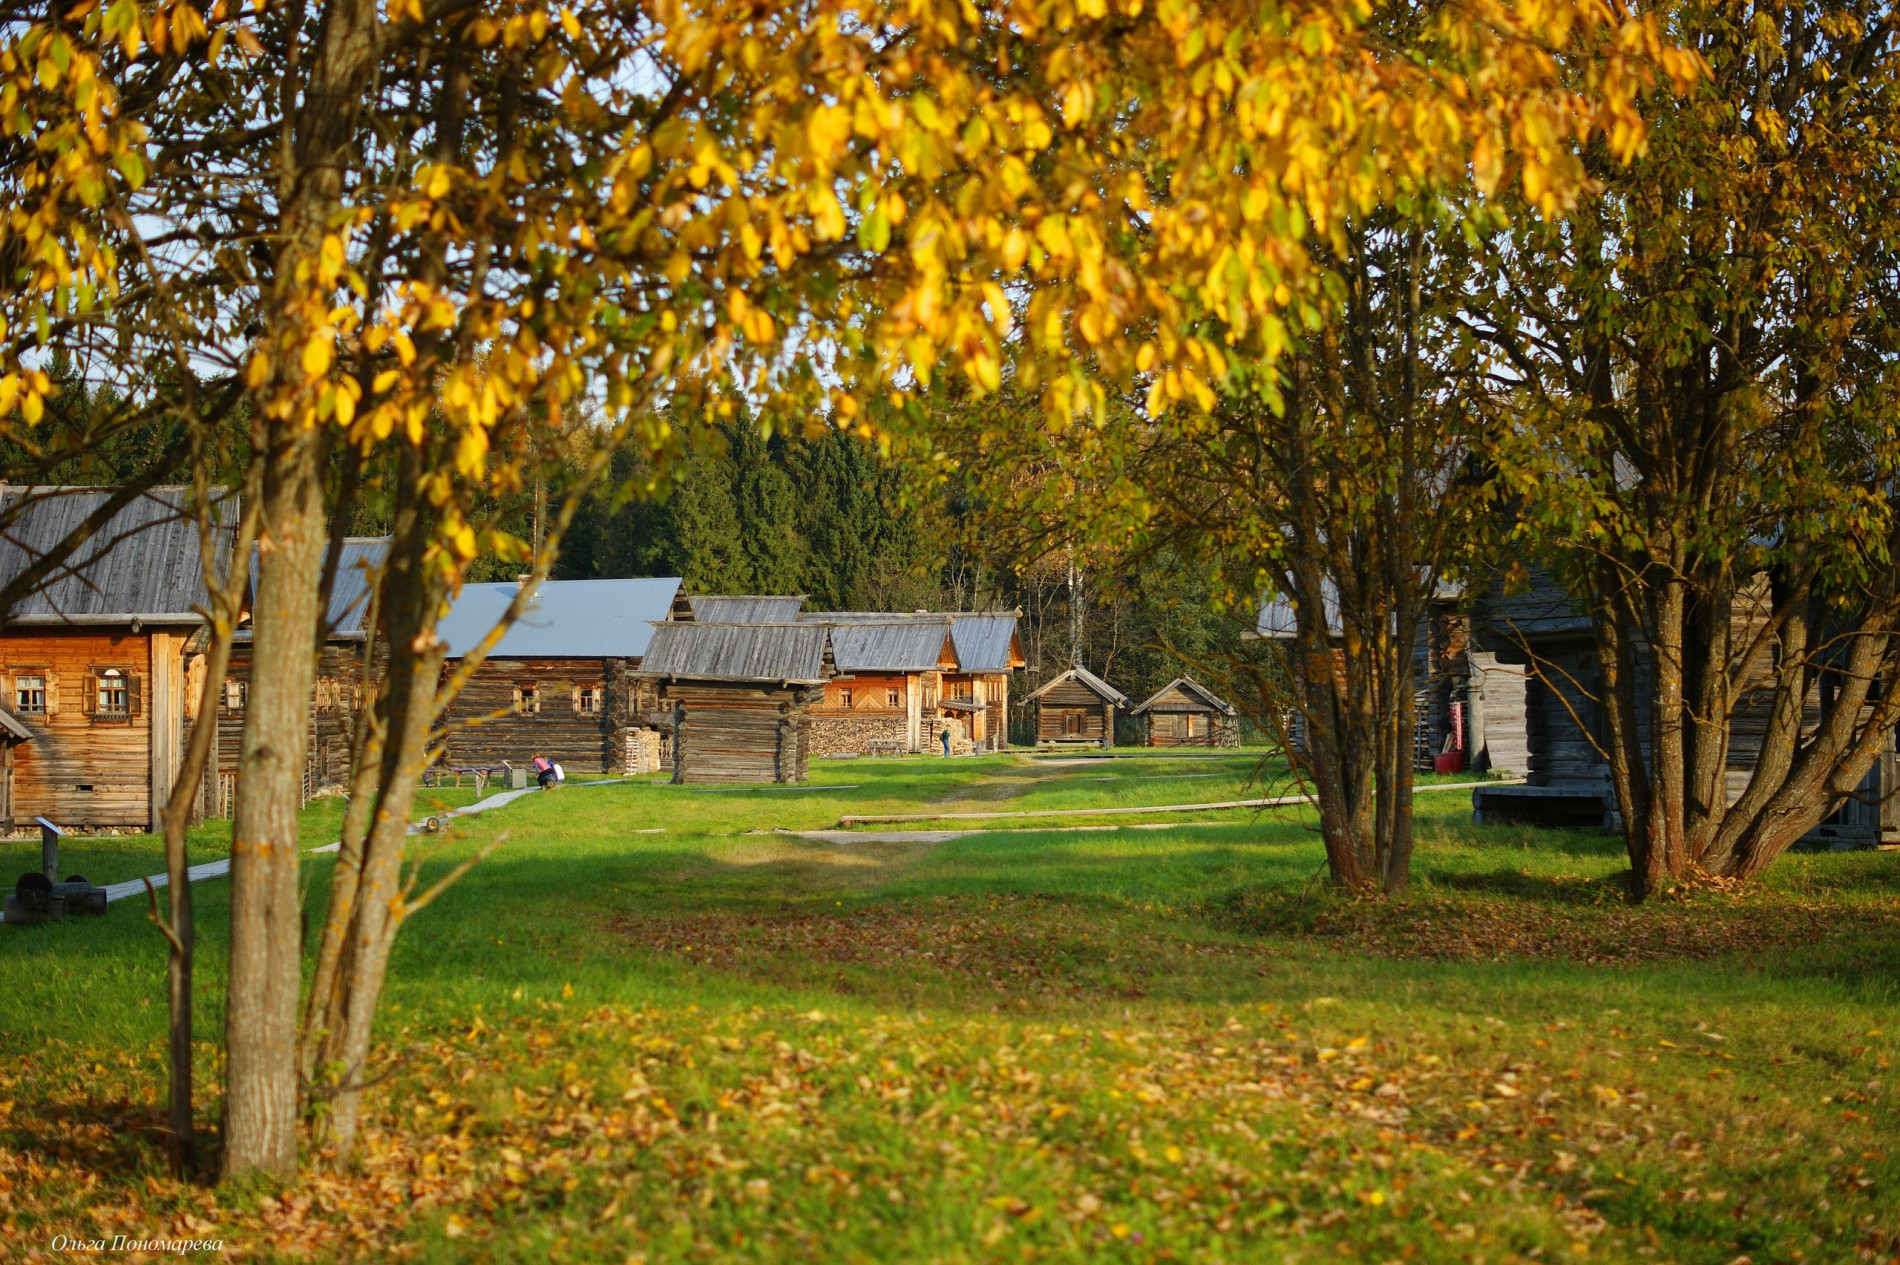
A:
887, 746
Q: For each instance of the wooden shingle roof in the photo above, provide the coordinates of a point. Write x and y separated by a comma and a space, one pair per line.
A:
776, 654
1088, 680
917, 644
1184, 694
143, 564
745, 609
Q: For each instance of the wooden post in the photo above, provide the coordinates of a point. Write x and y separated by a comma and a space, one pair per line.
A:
162, 720
49, 849
914, 711
679, 758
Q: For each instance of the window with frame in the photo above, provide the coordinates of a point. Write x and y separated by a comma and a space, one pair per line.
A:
844, 699
112, 693
527, 699
234, 696
29, 693
893, 698
587, 700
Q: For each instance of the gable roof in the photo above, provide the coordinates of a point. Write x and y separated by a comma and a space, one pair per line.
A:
569, 619
143, 563
788, 654
1093, 683
1193, 689
984, 641
916, 644
746, 609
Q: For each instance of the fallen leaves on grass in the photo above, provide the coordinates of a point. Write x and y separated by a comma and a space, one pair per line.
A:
1015, 945
598, 1133
1441, 926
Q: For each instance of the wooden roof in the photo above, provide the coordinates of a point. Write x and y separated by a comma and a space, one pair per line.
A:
1193, 696
917, 644
1089, 681
745, 609
143, 563
984, 641
777, 654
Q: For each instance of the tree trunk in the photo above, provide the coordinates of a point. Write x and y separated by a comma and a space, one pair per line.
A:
266, 921
260, 1110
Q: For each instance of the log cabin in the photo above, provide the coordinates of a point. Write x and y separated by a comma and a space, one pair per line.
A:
965, 686
1537, 693
336, 694
887, 696
563, 682
1185, 713
736, 698
100, 662
1077, 707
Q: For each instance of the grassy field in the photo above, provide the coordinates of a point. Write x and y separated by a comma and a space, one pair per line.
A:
655, 1026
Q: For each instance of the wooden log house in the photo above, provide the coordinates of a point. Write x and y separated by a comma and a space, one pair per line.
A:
1540, 690
964, 682
100, 663
1185, 713
1445, 678
736, 698
563, 682
887, 695
989, 653
1077, 707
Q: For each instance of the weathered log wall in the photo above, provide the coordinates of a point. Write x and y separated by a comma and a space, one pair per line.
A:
738, 732
85, 767
570, 710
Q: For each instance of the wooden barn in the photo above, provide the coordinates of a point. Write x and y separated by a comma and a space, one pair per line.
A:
336, 694
736, 698
1536, 684
100, 663
886, 698
1077, 707
1185, 713
562, 683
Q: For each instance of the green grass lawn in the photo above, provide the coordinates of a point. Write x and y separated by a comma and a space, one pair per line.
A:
654, 1026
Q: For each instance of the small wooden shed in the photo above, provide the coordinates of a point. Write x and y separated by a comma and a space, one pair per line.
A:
1185, 713
736, 698
1077, 707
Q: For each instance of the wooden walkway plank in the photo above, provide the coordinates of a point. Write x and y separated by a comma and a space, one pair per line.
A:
1279, 801
220, 868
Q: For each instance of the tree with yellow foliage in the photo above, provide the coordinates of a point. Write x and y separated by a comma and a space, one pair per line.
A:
423, 231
